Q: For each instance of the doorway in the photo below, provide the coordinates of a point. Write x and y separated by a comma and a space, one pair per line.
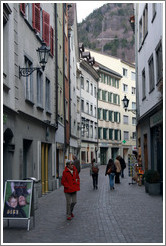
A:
103, 156
44, 167
146, 152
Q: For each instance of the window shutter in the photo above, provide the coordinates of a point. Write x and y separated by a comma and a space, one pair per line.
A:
46, 27
36, 16
22, 8
52, 40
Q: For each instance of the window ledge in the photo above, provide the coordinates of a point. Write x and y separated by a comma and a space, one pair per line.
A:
48, 112
29, 102
151, 90
40, 108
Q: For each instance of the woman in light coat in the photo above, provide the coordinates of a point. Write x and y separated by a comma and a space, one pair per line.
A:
118, 171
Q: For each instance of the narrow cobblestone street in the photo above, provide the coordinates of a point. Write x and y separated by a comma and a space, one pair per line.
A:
124, 215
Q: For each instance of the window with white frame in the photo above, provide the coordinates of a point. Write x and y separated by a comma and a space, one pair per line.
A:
125, 119
104, 94
151, 73
82, 82
126, 135
91, 89
143, 85
133, 105
91, 129
95, 131
39, 89
154, 8
133, 121
82, 105
78, 105
133, 135
125, 88
67, 110
87, 85
145, 21
133, 90
140, 32
105, 133
60, 103
29, 82
91, 109
87, 107
95, 112
159, 62
99, 94
124, 72
47, 102
87, 128
100, 135
133, 76
95, 92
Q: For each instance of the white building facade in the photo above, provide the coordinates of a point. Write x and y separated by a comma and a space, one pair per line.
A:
88, 126
149, 68
117, 127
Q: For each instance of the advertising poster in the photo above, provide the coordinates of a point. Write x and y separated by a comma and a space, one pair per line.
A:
17, 199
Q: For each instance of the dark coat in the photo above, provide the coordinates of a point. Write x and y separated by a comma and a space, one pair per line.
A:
113, 167
122, 163
76, 163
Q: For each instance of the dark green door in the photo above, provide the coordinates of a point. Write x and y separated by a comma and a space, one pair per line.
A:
103, 156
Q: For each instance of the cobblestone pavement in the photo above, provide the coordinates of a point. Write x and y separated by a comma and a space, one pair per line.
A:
124, 215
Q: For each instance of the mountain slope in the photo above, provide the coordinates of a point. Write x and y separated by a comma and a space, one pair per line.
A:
108, 30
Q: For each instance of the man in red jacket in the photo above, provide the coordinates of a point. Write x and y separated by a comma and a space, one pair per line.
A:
71, 183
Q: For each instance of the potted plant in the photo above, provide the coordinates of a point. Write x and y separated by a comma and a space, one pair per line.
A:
152, 182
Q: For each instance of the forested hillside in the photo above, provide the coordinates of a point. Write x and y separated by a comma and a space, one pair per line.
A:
108, 30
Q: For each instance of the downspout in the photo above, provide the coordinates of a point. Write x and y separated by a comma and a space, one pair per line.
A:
69, 35
56, 67
63, 36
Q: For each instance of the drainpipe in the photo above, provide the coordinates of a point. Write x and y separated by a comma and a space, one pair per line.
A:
56, 64
63, 36
69, 35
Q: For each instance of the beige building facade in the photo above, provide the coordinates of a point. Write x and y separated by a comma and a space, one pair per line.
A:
116, 127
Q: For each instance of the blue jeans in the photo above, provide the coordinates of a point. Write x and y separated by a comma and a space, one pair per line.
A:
111, 178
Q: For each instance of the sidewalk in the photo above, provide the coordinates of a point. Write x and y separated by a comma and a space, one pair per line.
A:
124, 215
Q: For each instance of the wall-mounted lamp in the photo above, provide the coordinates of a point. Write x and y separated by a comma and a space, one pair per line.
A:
43, 53
126, 103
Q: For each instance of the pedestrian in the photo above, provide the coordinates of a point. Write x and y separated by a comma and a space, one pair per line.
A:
110, 171
71, 182
118, 171
76, 163
94, 170
123, 165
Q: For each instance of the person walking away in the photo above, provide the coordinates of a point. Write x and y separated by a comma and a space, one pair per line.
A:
76, 163
123, 165
110, 171
118, 171
94, 172
71, 182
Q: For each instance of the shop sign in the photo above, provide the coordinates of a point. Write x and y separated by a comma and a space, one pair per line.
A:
156, 118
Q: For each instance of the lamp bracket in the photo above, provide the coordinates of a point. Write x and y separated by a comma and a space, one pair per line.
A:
132, 110
25, 72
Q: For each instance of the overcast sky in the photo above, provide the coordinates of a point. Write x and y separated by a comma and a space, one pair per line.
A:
84, 8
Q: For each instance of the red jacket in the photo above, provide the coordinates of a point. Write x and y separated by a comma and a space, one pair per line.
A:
70, 182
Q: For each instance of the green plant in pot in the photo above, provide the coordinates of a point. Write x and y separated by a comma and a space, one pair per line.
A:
152, 182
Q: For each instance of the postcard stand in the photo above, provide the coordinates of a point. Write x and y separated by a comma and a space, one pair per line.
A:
17, 200
131, 163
